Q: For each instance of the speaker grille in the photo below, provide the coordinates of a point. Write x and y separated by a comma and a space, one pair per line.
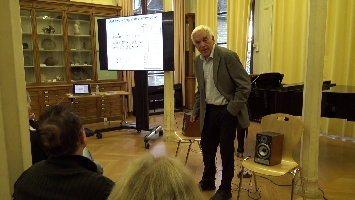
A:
263, 150
263, 139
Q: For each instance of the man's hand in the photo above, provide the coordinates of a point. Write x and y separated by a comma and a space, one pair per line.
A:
193, 118
32, 116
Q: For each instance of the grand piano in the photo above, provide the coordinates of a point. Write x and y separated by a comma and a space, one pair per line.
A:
270, 96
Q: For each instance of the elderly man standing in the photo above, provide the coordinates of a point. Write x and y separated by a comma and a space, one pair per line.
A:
220, 103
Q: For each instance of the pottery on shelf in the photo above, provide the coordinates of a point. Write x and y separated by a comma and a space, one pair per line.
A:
59, 78
50, 61
48, 30
48, 44
24, 45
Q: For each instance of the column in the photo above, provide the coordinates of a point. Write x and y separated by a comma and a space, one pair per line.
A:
169, 119
15, 154
312, 96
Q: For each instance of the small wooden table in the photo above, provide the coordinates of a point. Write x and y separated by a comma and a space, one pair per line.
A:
124, 95
124, 125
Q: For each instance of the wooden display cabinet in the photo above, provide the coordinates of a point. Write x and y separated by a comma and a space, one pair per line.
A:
190, 79
60, 47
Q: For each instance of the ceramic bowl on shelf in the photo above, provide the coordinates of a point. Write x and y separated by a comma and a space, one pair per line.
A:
48, 44
50, 61
24, 45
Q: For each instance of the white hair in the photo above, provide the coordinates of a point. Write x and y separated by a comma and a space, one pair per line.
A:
199, 28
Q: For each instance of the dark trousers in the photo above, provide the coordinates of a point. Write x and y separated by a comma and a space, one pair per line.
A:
219, 129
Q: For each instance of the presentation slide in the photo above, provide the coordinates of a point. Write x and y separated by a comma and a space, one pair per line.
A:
135, 38
81, 89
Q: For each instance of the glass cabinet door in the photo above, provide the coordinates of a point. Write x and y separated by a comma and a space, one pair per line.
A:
80, 47
27, 46
51, 46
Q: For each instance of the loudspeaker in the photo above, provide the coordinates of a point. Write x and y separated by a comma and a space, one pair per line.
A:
268, 148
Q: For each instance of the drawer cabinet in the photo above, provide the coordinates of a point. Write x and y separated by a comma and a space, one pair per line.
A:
85, 107
110, 106
89, 109
54, 97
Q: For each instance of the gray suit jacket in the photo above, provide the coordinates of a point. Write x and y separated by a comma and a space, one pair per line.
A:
231, 80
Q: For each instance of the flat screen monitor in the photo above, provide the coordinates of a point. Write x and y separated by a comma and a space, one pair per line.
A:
81, 89
139, 42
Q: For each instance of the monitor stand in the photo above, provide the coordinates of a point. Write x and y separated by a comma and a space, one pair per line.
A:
142, 117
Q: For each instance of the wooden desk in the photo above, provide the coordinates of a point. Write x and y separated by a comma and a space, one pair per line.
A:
103, 94
124, 125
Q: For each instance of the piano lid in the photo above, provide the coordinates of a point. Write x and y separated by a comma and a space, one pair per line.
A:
267, 80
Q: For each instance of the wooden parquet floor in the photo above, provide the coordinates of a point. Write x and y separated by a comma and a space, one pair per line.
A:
117, 149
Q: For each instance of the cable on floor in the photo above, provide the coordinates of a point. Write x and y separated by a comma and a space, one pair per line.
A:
249, 191
323, 194
274, 182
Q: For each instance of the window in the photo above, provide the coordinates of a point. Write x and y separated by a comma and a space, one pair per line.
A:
222, 23
222, 32
153, 6
249, 60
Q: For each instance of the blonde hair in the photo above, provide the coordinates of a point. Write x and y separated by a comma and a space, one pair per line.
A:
156, 178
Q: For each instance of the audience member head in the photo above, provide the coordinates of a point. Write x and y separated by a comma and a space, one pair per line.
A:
60, 131
156, 178
202, 38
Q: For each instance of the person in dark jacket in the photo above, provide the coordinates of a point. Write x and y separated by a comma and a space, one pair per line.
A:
37, 152
221, 104
66, 174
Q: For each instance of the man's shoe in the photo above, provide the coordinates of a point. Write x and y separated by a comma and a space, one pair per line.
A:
206, 187
222, 195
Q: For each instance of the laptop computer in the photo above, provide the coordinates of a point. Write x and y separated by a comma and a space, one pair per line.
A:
81, 89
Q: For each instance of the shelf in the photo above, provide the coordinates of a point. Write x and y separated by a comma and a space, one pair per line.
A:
58, 37
79, 50
55, 66
47, 19
79, 35
51, 81
81, 80
78, 20
80, 65
45, 34
51, 50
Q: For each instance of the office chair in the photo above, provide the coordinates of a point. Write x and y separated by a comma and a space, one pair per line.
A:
291, 127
